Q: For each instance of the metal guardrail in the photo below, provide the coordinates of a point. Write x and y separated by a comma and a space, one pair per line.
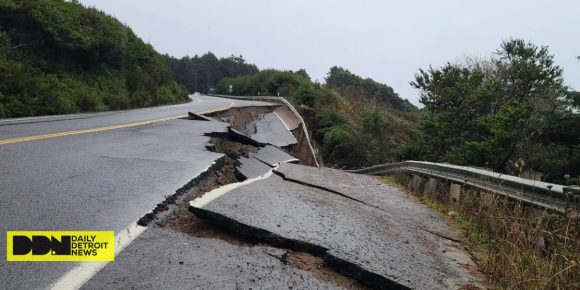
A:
541, 194
282, 101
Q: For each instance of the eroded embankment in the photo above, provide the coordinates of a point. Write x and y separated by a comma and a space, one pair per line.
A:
344, 229
247, 121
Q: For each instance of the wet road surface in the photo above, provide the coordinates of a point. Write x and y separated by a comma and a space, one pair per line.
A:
96, 181
166, 259
288, 226
373, 242
20, 127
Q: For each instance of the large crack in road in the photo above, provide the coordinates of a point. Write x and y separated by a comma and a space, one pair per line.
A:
243, 261
357, 241
302, 227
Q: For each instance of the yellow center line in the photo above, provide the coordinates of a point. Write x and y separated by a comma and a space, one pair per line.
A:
100, 129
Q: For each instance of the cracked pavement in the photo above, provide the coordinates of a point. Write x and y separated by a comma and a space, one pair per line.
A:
300, 227
247, 233
166, 259
373, 244
97, 181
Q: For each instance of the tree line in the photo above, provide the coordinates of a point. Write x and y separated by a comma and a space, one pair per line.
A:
510, 112
201, 73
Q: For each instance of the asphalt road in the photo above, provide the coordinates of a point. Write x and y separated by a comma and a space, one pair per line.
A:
289, 226
98, 171
21, 127
166, 259
367, 231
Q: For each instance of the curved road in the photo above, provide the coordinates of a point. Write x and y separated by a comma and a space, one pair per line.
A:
100, 171
24, 127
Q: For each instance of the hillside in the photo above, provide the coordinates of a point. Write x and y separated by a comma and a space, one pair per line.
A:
60, 57
353, 86
352, 130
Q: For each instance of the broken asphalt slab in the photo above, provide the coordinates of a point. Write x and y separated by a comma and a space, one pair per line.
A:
251, 167
162, 258
361, 241
288, 117
272, 130
273, 156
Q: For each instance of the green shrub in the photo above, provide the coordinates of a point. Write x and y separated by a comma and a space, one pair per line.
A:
76, 59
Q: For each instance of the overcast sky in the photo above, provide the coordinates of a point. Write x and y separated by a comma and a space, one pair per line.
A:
382, 39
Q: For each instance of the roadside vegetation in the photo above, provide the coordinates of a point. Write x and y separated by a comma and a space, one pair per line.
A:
60, 57
511, 112
201, 73
356, 122
516, 246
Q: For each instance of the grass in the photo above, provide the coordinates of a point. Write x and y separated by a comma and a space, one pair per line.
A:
392, 181
516, 246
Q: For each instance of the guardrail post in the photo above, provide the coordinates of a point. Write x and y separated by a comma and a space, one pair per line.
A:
416, 183
430, 187
454, 193
487, 200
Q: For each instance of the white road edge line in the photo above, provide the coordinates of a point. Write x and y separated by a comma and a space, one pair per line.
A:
78, 276
212, 195
84, 271
287, 128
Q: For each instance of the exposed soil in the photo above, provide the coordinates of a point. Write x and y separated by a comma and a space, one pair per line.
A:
242, 120
239, 118
174, 213
232, 148
182, 220
187, 192
315, 265
301, 150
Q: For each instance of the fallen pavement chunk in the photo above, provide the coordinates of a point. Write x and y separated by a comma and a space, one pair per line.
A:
355, 239
236, 135
251, 167
273, 156
272, 130
199, 117
286, 115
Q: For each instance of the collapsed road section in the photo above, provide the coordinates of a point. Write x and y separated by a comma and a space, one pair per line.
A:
256, 220
384, 244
